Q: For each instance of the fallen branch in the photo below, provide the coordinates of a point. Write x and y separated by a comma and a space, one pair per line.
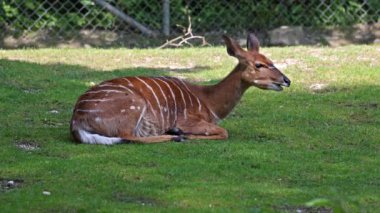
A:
185, 38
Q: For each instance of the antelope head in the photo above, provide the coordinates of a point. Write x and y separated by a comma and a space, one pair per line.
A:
257, 70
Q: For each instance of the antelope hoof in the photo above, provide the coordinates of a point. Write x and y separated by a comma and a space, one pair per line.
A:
175, 131
179, 138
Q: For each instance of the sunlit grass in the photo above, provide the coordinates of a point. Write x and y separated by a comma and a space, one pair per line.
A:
285, 149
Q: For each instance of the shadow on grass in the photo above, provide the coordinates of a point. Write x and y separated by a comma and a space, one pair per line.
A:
37, 76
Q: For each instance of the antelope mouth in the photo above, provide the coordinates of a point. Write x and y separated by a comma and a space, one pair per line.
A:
278, 86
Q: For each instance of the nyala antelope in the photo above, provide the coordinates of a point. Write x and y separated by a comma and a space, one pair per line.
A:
158, 109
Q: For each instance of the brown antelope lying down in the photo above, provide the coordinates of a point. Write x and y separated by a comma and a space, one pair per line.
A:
158, 109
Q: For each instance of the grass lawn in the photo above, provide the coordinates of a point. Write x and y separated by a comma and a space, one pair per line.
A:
287, 151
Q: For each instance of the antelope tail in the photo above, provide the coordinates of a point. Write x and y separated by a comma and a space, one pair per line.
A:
93, 138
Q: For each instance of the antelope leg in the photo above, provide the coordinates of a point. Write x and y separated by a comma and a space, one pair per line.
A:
203, 130
151, 139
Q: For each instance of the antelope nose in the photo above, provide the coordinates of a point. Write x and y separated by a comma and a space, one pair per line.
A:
287, 81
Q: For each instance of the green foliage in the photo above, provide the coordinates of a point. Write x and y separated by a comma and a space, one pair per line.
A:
207, 15
60, 15
148, 12
269, 13
211, 15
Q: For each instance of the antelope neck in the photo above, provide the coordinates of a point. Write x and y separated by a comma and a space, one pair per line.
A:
223, 96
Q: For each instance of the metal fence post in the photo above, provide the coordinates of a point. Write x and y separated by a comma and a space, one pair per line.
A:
166, 17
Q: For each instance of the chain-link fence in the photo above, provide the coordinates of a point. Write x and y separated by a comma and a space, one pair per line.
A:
70, 18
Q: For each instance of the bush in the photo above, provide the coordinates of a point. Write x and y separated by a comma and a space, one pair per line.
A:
207, 15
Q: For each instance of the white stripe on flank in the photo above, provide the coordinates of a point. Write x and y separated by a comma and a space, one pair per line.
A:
106, 90
129, 82
142, 133
183, 97
199, 102
174, 100
91, 138
139, 120
99, 100
118, 86
163, 95
89, 110
187, 91
214, 114
151, 108
196, 97
157, 100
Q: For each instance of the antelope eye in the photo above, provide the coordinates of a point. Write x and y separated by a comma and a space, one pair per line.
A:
258, 65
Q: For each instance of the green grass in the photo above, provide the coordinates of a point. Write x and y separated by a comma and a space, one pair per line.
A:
285, 149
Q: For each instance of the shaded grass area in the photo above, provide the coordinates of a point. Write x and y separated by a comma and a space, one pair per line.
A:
285, 149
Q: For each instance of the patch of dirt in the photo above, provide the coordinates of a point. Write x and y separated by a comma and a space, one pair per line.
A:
365, 106
319, 88
285, 63
28, 145
265, 138
49, 123
361, 118
322, 88
369, 105
9, 184
251, 165
361, 112
144, 201
303, 209
79, 39
333, 36
31, 91
54, 111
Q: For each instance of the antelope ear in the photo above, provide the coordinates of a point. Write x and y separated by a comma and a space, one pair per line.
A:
253, 43
233, 48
